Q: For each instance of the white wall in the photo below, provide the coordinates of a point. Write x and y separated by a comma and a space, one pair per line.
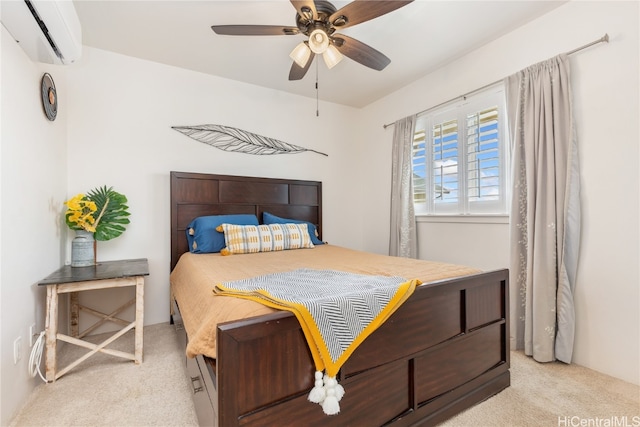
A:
480, 242
121, 111
32, 189
605, 92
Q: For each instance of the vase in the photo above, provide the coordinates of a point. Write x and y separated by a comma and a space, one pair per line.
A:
83, 252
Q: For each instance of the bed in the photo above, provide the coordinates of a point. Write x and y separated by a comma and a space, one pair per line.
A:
444, 350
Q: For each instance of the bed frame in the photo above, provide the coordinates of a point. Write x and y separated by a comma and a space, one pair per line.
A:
444, 350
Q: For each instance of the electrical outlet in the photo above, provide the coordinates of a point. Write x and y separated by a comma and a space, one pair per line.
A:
17, 350
32, 334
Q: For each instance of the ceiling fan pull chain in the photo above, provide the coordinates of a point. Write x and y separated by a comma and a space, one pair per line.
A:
317, 95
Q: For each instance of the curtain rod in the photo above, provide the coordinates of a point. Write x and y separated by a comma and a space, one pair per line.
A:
603, 39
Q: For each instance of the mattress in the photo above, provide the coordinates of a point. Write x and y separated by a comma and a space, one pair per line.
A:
195, 275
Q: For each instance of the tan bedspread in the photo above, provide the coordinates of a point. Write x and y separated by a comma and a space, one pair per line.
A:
195, 275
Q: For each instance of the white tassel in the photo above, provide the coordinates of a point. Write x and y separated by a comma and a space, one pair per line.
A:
334, 393
331, 382
318, 392
330, 405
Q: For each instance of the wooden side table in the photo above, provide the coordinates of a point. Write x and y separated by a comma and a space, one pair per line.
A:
110, 274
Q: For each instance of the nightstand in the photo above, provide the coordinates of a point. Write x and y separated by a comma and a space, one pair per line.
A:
71, 280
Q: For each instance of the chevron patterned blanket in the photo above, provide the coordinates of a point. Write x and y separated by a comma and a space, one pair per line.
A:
337, 310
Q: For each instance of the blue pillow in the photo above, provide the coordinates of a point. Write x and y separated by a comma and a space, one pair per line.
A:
268, 218
203, 237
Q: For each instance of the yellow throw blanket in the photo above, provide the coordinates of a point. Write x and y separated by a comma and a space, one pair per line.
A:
337, 310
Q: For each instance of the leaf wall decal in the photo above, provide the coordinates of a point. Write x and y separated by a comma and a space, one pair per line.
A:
240, 141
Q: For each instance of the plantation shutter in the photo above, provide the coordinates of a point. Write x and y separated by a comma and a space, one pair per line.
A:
419, 167
483, 156
460, 159
445, 164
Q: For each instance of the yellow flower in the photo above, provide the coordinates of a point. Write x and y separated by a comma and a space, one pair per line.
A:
74, 203
79, 215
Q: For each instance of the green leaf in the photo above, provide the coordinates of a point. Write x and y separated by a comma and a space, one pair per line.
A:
114, 214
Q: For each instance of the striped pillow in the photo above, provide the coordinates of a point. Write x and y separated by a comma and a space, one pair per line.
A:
246, 239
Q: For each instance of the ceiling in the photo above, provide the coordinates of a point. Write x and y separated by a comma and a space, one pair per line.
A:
418, 38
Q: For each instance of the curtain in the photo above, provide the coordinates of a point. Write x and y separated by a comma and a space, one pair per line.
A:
545, 210
402, 239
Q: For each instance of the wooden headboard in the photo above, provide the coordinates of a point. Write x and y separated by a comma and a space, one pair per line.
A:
197, 194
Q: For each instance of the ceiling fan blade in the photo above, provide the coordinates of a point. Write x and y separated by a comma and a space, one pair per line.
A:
254, 30
297, 72
360, 52
306, 9
362, 10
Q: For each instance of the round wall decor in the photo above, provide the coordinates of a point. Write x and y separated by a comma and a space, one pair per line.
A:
49, 97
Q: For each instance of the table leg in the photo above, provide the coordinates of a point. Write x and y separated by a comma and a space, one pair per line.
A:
139, 339
51, 328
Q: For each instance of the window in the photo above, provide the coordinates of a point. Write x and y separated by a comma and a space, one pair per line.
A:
460, 157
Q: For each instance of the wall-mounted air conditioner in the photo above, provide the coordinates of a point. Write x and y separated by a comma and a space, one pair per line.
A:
49, 31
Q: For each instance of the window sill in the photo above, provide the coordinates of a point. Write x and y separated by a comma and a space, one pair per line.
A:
469, 219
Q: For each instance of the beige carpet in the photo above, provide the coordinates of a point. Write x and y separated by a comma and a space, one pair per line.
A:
556, 394
106, 391
109, 391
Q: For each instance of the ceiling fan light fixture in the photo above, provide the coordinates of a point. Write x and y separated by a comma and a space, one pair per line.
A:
332, 56
318, 21
318, 41
340, 21
300, 54
306, 13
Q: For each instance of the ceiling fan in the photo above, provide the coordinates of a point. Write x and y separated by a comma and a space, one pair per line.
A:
319, 20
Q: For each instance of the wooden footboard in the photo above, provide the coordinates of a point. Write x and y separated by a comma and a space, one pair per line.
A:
443, 351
